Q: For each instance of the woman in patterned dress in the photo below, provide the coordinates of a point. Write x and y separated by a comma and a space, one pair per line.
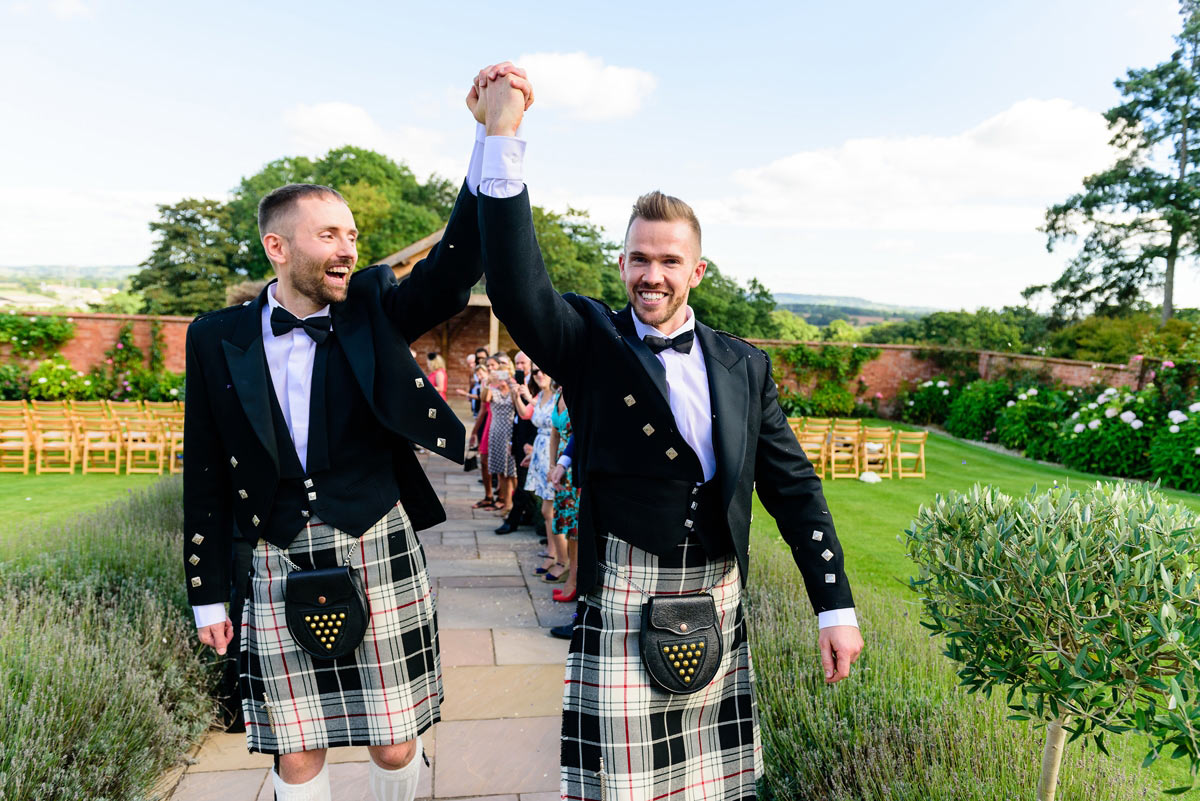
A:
500, 396
566, 497
554, 569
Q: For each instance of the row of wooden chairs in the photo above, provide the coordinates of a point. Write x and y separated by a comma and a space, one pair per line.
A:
846, 448
99, 436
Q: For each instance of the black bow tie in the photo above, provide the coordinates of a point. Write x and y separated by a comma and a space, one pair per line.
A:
681, 343
283, 321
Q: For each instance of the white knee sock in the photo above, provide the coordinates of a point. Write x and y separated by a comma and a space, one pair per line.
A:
396, 785
315, 789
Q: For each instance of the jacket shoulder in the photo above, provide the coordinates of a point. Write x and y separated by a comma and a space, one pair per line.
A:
740, 346
370, 278
216, 320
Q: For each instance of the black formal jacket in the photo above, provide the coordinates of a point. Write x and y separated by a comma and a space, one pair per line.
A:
636, 473
239, 460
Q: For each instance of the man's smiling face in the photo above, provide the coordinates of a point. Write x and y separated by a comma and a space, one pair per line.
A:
322, 249
660, 265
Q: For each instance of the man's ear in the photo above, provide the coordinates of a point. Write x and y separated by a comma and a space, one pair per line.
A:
621, 265
698, 273
275, 247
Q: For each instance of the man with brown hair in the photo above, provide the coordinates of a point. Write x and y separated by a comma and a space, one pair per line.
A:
676, 425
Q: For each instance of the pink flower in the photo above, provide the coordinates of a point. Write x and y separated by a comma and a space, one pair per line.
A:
108, 361
879, 395
1168, 364
1137, 358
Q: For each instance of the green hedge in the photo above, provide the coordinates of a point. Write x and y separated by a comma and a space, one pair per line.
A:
973, 413
102, 680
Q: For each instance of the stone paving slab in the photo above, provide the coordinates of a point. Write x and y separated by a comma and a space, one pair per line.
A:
529, 647
489, 607
466, 647
225, 751
229, 785
494, 565
540, 796
450, 582
481, 756
449, 552
507, 691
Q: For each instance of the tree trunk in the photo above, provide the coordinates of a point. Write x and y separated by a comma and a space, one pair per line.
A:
1056, 737
1169, 282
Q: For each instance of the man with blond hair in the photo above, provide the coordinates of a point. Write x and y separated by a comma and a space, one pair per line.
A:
675, 424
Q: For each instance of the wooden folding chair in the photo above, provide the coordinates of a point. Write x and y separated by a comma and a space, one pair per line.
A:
912, 439
100, 443
53, 442
796, 424
161, 407
12, 406
875, 450
172, 422
818, 421
16, 441
145, 444
50, 406
843, 454
92, 407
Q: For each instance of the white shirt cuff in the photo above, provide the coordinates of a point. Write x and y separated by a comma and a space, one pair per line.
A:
208, 614
564, 460
475, 166
503, 166
837, 617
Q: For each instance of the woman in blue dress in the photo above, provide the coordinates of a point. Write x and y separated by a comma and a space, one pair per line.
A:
554, 569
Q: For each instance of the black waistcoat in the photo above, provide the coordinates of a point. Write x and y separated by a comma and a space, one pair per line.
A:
350, 482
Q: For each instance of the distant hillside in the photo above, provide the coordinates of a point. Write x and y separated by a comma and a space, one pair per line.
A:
46, 272
785, 299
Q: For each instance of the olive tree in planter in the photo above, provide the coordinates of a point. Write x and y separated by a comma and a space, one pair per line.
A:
1085, 605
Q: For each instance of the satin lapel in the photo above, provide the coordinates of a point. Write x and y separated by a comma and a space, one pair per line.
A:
354, 335
658, 373
248, 367
730, 394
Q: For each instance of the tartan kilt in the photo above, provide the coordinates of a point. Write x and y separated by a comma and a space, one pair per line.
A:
656, 745
387, 691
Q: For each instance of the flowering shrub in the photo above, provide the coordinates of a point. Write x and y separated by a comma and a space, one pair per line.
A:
1111, 435
55, 379
1175, 450
31, 337
1030, 422
926, 403
973, 413
14, 384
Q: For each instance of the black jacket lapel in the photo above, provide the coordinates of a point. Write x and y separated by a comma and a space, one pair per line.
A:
730, 394
354, 335
248, 367
658, 373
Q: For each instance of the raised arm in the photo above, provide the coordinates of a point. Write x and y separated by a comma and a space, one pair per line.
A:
542, 324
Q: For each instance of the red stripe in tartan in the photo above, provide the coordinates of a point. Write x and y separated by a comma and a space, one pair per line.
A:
704, 782
283, 655
404, 606
625, 696
375, 641
367, 714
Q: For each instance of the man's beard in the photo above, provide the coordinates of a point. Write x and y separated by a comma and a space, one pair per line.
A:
659, 315
308, 278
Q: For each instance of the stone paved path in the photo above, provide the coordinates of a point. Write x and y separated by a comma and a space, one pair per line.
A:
503, 675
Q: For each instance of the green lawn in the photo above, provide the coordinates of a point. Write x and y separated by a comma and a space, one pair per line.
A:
871, 519
54, 496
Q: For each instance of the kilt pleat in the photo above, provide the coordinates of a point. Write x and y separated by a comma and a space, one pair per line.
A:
387, 691
623, 738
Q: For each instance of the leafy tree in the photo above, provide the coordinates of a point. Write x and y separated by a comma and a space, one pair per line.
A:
577, 257
793, 327
191, 262
1012, 329
840, 331
1101, 339
1142, 215
722, 303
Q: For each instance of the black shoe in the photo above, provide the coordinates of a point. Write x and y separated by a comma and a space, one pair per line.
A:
506, 528
564, 631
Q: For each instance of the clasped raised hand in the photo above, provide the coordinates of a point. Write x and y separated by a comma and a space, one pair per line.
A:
499, 97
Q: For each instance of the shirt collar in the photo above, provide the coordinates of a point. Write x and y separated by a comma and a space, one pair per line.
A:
274, 304
643, 329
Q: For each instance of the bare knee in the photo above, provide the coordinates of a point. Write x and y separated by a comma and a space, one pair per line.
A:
393, 757
301, 766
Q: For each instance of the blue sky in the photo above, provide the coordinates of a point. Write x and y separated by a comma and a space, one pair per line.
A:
899, 151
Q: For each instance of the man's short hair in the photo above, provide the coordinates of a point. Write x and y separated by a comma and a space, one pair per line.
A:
657, 207
278, 203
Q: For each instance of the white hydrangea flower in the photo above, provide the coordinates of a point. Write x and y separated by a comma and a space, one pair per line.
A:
1136, 424
1093, 406
1075, 416
176, 391
1031, 393
1079, 427
912, 403
1022, 396
1197, 451
927, 384
1128, 416
1011, 403
42, 380
1070, 393
943, 384
87, 383
945, 392
1094, 424
1195, 407
1174, 429
1110, 412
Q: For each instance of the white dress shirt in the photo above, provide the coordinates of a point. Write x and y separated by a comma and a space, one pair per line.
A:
503, 176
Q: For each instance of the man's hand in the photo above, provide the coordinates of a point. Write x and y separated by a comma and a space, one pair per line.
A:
217, 636
840, 646
505, 99
557, 474
492, 73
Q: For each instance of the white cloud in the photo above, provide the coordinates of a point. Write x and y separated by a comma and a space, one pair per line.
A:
998, 176
316, 129
585, 87
70, 9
